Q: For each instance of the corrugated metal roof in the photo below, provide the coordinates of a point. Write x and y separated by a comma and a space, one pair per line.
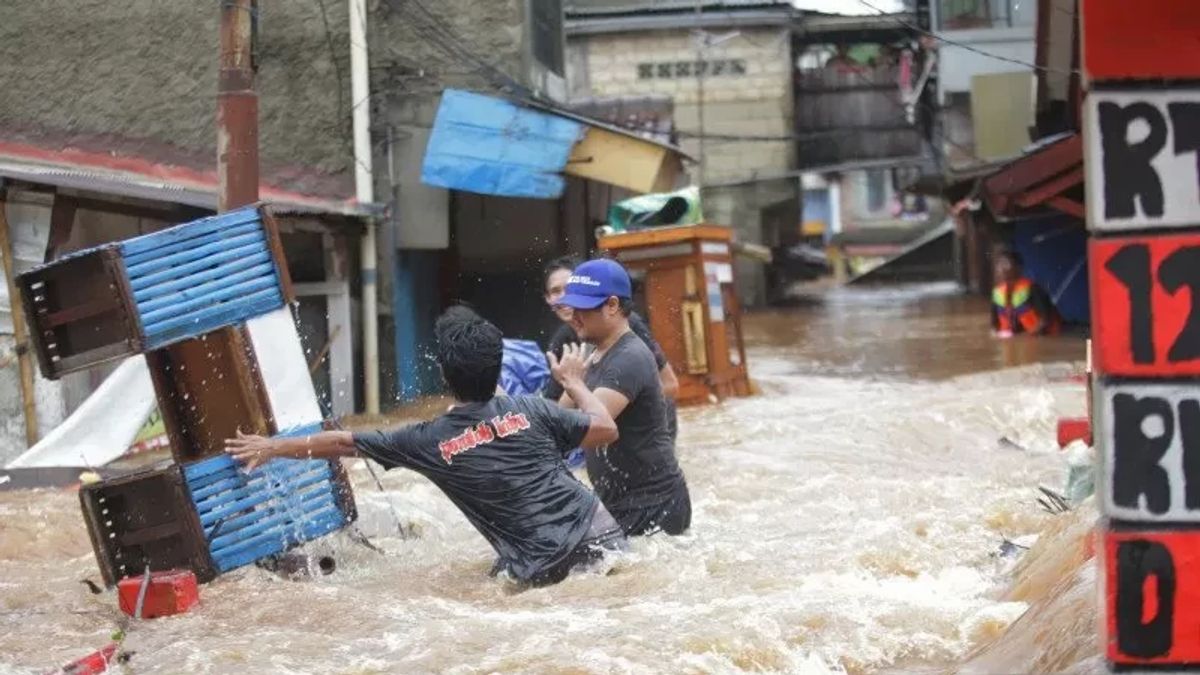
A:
603, 7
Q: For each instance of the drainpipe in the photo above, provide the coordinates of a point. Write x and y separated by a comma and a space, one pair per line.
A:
360, 92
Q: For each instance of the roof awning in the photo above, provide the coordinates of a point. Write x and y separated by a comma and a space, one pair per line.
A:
494, 146
141, 179
1050, 175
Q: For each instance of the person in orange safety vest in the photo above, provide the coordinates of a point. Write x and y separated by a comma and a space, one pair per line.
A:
1018, 304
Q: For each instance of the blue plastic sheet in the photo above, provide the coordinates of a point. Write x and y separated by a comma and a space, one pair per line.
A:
491, 146
523, 371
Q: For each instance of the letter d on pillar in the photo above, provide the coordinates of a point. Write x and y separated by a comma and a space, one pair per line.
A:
1145, 622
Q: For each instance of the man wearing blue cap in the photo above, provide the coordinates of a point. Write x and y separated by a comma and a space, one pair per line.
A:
637, 477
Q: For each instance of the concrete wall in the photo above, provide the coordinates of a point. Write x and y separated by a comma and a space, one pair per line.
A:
139, 77
752, 95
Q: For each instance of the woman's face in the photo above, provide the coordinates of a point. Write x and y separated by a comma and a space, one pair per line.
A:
556, 287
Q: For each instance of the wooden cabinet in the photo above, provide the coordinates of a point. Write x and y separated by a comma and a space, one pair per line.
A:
683, 282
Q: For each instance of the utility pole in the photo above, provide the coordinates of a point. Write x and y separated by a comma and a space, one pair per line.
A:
364, 178
701, 67
237, 107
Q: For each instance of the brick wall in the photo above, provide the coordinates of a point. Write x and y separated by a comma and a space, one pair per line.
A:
747, 90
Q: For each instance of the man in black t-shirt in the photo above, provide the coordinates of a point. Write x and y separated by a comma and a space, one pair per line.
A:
499, 459
555, 276
637, 477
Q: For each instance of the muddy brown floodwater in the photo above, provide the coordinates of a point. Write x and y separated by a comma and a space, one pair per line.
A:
847, 518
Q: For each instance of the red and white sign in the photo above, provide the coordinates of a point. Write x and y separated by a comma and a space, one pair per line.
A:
1123, 39
1145, 303
1152, 597
1141, 155
1150, 441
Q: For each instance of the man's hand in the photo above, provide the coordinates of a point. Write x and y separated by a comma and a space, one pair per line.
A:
250, 450
569, 369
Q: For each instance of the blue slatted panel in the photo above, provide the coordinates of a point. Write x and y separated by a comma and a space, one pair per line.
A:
200, 276
281, 504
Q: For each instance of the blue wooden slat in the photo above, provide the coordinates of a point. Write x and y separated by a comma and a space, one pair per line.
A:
215, 279
278, 520
169, 281
234, 507
210, 319
292, 483
236, 286
276, 540
222, 484
208, 466
271, 545
217, 251
195, 473
185, 231
201, 240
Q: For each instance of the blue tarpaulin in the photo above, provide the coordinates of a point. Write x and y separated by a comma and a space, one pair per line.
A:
1055, 254
491, 146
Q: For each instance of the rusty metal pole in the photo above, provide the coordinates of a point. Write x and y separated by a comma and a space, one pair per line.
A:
237, 108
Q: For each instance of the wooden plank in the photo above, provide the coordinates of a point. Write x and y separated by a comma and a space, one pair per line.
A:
1051, 188
664, 235
1068, 206
275, 244
90, 358
78, 313
196, 228
62, 222
148, 534
16, 306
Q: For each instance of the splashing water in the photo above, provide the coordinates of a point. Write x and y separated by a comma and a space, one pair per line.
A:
845, 520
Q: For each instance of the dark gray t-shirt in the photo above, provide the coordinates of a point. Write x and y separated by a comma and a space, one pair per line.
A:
566, 335
501, 464
637, 475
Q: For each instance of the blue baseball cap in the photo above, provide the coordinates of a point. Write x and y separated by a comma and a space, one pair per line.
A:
594, 282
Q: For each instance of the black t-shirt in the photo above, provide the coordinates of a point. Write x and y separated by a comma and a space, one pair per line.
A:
566, 335
501, 464
638, 473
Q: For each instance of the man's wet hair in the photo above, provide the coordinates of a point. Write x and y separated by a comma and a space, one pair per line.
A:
566, 262
625, 305
469, 350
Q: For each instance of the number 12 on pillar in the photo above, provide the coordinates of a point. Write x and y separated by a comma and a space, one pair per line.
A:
1145, 298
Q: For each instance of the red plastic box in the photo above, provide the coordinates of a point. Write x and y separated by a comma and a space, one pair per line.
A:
170, 592
1071, 429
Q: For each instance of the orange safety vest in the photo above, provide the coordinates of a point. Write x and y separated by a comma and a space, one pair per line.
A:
1014, 307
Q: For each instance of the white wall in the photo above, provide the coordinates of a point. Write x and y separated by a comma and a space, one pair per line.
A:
956, 65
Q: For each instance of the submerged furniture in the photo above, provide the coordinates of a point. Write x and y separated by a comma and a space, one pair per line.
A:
181, 297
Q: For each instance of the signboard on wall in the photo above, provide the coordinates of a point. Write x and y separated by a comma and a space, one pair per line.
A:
1145, 296
1153, 597
1126, 40
1141, 157
1151, 434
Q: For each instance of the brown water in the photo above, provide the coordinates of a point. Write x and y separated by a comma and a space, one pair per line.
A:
846, 518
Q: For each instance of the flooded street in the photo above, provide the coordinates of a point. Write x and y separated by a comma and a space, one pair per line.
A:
847, 518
